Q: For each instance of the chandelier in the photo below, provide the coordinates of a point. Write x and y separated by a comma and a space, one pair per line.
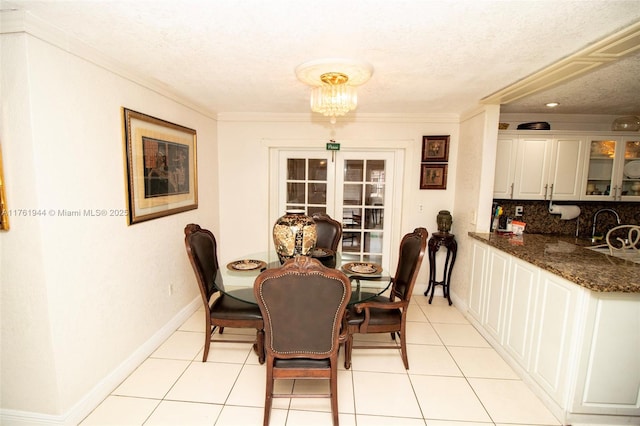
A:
334, 84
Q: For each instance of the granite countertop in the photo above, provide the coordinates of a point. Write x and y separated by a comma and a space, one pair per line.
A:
569, 258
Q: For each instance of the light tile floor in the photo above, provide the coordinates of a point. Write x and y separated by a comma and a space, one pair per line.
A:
455, 379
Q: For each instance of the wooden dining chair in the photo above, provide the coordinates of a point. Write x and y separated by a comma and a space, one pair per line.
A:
328, 231
221, 311
388, 314
303, 305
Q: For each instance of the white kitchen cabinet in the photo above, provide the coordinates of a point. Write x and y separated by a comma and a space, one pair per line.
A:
554, 337
539, 167
609, 367
565, 172
519, 312
496, 288
478, 280
505, 167
533, 160
611, 169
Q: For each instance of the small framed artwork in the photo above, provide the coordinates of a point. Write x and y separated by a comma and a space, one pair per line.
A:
435, 149
433, 176
161, 167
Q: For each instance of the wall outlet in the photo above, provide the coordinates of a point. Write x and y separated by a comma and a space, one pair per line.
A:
519, 211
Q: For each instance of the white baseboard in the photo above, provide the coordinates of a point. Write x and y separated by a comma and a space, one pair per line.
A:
99, 392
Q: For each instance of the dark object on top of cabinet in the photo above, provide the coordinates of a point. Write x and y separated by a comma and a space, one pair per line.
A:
536, 125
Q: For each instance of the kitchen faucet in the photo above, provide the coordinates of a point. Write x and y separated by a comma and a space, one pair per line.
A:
595, 221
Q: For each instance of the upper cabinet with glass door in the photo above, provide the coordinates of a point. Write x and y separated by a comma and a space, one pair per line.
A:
613, 170
629, 171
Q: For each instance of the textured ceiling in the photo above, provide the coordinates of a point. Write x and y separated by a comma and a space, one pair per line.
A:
428, 56
612, 89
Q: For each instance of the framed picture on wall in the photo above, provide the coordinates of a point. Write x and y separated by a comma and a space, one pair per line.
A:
433, 176
435, 149
161, 167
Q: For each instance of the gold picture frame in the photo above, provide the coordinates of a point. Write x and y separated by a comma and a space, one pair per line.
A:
161, 167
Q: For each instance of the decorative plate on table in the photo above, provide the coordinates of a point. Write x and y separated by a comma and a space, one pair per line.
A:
246, 265
632, 169
321, 252
362, 268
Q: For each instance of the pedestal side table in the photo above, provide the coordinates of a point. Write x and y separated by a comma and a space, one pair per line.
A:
437, 240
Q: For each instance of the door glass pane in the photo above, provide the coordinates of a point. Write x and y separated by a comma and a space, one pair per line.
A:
373, 242
352, 194
317, 169
317, 193
296, 168
351, 219
353, 170
312, 210
351, 243
295, 193
375, 194
374, 218
375, 171
375, 258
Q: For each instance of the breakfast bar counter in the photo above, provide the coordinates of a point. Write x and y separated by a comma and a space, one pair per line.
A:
569, 258
566, 318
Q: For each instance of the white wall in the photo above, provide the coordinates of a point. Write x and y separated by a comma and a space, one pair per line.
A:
80, 295
476, 167
244, 163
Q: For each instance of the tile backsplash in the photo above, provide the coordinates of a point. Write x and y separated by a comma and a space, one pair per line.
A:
539, 221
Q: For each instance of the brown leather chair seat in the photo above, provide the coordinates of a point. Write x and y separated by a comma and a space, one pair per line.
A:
228, 308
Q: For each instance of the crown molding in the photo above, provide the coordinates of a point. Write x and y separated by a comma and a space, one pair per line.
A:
609, 49
351, 118
19, 21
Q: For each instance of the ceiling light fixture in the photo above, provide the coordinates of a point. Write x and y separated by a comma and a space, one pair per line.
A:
552, 104
333, 83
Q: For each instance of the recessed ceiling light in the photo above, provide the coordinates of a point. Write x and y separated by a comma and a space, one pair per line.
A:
552, 104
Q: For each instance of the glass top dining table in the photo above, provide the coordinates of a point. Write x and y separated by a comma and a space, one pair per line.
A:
238, 284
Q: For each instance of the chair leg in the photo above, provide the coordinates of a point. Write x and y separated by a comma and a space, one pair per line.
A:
333, 389
348, 347
268, 400
403, 350
260, 345
207, 341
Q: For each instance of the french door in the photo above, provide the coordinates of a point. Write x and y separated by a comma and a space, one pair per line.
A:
354, 187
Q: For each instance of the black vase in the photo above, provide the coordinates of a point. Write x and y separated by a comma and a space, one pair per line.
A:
444, 220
